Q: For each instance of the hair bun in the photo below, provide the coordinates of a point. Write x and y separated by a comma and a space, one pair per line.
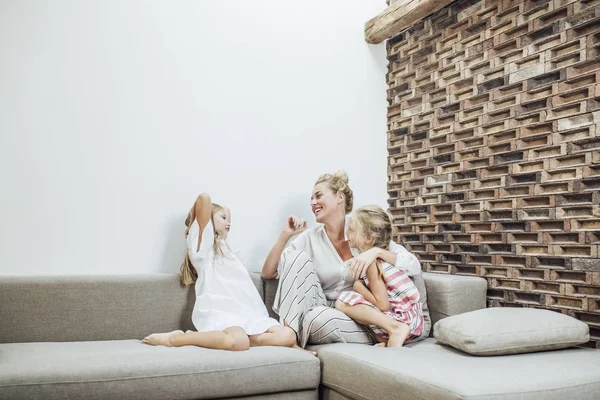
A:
341, 175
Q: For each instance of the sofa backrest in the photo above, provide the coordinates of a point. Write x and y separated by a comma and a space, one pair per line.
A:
82, 308
449, 295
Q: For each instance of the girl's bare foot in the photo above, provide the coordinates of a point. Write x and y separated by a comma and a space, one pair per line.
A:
314, 353
380, 344
398, 335
160, 339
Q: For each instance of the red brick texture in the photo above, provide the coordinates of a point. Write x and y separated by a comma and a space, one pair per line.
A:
494, 149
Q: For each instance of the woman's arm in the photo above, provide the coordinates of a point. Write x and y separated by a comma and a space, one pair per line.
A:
201, 212
397, 255
405, 260
363, 260
293, 226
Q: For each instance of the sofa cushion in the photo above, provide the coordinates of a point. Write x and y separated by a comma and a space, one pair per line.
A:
420, 284
93, 307
427, 370
132, 370
449, 295
496, 331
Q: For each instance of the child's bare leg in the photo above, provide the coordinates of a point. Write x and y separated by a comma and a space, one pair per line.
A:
277, 336
232, 338
364, 314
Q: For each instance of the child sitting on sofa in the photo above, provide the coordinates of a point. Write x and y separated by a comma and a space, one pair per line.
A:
229, 313
388, 300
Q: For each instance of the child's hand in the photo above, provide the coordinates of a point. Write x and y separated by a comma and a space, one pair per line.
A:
359, 266
294, 226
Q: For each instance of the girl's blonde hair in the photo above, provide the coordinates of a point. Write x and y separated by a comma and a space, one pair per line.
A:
338, 182
373, 223
189, 275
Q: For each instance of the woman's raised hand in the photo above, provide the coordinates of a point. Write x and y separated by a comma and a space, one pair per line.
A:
294, 226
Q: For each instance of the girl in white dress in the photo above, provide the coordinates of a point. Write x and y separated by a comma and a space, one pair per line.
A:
229, 313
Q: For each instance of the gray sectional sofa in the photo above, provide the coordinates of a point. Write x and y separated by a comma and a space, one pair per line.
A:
68, 337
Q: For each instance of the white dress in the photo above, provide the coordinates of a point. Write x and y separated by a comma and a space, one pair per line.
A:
225, 293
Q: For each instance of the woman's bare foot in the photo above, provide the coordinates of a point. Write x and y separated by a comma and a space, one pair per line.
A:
398, 335
160, 339
314, 353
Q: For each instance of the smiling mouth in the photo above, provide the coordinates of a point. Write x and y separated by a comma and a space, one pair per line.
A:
318, 211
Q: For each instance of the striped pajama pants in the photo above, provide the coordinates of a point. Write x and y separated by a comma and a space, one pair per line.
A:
301, 303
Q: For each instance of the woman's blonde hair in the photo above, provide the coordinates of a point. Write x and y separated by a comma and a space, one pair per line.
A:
373, 223
189, 275
338, 182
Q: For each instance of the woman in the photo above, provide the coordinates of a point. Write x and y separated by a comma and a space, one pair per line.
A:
319, 264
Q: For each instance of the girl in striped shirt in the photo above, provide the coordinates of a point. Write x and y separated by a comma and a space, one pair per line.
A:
385, 298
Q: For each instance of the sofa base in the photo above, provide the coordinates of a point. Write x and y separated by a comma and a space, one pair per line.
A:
330, 394
301, 395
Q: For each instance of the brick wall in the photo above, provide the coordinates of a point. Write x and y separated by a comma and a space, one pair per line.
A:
494, 149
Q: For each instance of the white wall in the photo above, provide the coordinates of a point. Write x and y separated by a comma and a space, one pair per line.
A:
114, 115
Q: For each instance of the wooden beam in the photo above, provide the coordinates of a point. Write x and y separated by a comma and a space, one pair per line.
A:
399, 16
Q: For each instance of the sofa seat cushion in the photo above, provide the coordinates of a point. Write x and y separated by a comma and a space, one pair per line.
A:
130, 369
427, 370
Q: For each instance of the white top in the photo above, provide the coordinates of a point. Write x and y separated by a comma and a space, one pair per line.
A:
225, 294
331, 270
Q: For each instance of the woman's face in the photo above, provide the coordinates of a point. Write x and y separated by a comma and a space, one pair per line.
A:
222, 221
324, 202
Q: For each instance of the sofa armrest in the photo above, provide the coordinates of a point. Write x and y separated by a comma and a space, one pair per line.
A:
449, 295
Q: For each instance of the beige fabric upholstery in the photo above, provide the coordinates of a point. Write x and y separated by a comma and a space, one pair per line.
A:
128, 369
258, 282
330, 394
427, 370
453, 294
496, 331
79, 308
59, 309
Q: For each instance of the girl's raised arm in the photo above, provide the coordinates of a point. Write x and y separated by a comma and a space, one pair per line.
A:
202, 210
